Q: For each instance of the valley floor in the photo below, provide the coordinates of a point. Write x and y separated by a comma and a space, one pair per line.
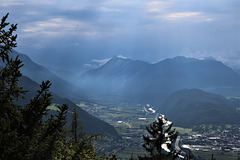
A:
131, 121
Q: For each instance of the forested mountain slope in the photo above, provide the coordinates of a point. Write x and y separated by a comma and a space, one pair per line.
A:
188, 107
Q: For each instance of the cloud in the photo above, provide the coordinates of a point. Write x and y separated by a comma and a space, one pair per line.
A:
194, 17
155, 3
181, 11
157, 6
123, 57
101, 62
230, 58
95, 63
90, 66
12, 3
31, 13
60, 27
105, 9
9, 3
183, 14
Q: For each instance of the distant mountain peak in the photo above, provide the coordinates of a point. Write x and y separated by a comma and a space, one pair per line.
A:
183, 59
115, 57
123, 57
119, 59
179, 57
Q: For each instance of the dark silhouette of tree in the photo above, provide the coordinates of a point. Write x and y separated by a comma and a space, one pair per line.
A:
159, 143
76, 131
82, 143
74, 125
213, 158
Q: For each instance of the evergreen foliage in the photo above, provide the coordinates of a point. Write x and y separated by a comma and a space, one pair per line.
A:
76, 130
159, 143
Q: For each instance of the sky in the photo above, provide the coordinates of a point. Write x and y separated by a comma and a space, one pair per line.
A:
73, 35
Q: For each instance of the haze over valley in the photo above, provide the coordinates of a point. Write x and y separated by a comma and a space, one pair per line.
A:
121, 81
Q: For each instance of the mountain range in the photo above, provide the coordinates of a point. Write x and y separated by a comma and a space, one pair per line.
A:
165, 85
142, 82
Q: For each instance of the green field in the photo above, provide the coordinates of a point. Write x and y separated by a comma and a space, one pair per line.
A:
53, 107
185, 131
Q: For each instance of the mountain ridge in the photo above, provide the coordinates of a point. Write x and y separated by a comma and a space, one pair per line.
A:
147, 83
39, 73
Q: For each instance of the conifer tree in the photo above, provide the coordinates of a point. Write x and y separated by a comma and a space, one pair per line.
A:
10, 117
76, 130
74, 125
159, 141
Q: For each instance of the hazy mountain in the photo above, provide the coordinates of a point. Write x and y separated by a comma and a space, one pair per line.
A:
188, 107
91, 124
143, 82
112, 76
39, 73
